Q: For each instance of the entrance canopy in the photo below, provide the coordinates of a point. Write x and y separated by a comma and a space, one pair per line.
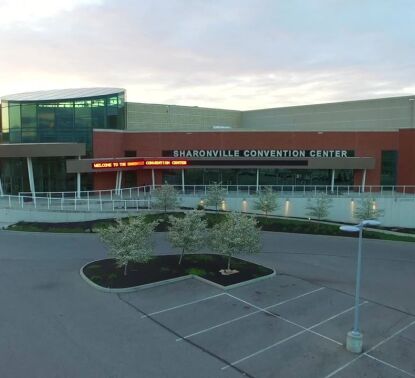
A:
128, 164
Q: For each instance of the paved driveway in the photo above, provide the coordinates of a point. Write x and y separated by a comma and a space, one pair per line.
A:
52, 324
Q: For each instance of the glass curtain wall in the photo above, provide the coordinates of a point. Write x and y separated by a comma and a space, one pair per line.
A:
49, 122
242, 177
61, 121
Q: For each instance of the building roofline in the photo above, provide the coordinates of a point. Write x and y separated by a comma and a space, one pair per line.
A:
284, 107
62, 94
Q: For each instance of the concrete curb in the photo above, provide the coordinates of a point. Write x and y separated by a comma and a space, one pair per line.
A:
234, 286
169, 281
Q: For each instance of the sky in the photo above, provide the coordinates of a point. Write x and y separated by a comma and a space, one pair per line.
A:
232, 54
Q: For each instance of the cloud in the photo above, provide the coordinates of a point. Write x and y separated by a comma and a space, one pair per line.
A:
29, 13
229, 54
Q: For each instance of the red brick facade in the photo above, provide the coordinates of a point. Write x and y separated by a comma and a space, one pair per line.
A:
365, 144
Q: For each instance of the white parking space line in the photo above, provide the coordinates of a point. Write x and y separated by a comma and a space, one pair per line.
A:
391, 336
390, 365
247, 315
304, 330
183, 305
288, 321
370, 350
262, 350
294, 298
337, 315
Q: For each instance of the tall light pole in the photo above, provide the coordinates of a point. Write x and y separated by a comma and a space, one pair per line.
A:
354, 340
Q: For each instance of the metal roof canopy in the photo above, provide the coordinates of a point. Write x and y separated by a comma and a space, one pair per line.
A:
62, 94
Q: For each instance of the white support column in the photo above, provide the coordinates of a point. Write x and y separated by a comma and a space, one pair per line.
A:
30, 173
333, 171
183, 181
1, 188
363, 180
119, 182
117, 179
257, 180
78, 185
78, 182
153, 179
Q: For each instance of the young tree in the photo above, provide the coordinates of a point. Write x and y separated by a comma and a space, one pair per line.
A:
319, 208
166, 197
237, 234
129, 241
215, 195
188, 233
366, 209
267, 201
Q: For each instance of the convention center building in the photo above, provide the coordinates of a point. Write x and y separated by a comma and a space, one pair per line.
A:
92, 138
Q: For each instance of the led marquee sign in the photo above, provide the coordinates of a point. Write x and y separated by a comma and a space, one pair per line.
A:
111, 164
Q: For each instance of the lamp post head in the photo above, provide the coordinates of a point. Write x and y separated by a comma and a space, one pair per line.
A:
370, 222
349, 228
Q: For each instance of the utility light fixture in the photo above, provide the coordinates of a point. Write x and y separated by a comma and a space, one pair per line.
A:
354, 340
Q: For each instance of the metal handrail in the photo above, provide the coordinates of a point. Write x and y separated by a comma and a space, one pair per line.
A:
128, 199
144, 191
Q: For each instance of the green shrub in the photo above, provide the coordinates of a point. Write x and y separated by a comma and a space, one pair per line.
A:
196, 271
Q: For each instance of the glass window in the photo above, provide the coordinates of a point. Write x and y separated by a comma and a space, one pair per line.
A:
130, 153
46, 123
5, 121
172, 177
15, 123
388, 167
14, 175
113, 101
29, 123
246, 177
98, 103
98, 118
64, 118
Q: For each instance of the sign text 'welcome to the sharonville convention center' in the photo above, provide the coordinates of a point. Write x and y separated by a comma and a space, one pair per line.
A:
259, 153
110, 164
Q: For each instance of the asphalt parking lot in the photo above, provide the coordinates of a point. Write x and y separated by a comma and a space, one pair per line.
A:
53, 324
283, 326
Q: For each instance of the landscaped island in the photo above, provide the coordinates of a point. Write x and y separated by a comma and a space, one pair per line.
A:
107, 274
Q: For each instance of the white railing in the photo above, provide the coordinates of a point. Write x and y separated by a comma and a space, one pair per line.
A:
304, 190
134, 199
124, 193
74, 204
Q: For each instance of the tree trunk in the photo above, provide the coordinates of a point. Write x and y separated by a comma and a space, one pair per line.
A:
229, 262
125, 268
181, 256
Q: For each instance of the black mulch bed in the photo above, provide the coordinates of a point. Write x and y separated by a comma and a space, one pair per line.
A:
105, 272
